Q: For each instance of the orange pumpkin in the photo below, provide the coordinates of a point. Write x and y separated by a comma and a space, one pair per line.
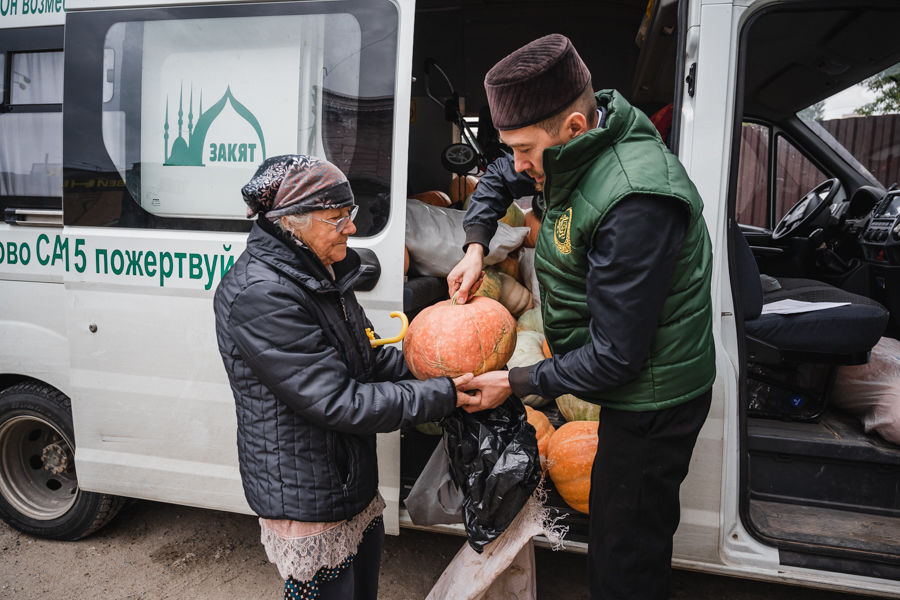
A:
533, 223
571, 456
450, 339
543, 429
434, 198
461, 188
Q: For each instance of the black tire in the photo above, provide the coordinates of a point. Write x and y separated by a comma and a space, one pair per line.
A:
39, 493
459, 158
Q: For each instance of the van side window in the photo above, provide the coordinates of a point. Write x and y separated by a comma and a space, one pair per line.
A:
191, 101
31, 129
795, 175
753, 170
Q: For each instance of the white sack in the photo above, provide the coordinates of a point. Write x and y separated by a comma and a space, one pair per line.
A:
435, 237
505, 570
872, 390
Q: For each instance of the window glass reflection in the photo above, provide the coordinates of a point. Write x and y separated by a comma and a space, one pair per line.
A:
188, 115
31, 154
36, 78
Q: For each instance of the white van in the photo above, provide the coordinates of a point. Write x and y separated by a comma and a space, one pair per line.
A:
127, 128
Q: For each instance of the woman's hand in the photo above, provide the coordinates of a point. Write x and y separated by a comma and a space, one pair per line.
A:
492, 389
463, 398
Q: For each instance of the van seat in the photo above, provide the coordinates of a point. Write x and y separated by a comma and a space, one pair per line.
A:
851, 329
841, 335
792, 359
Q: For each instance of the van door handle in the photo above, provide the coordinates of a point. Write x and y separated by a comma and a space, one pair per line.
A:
691, 79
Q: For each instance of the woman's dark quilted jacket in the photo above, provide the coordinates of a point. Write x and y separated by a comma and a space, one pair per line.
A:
310, 391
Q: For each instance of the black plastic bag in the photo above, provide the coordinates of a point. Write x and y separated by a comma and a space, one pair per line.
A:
495, 463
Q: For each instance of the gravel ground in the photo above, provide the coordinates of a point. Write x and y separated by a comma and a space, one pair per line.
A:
155, 551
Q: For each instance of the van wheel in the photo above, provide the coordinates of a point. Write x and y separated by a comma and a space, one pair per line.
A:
39, 493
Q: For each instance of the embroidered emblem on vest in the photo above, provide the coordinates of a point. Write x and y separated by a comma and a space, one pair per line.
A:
561, 232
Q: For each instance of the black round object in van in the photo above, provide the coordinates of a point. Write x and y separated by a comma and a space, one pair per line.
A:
459, 158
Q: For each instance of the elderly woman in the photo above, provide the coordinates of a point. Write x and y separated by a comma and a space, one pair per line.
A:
311, 392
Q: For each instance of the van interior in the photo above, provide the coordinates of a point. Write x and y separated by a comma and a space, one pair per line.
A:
812, 218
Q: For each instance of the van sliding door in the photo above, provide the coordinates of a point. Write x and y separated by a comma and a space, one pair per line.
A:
170, 112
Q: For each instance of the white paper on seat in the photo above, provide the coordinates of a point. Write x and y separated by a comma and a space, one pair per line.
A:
790, 307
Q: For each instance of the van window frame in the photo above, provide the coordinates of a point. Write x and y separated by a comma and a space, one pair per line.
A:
28, 40
681, 85
776, 133
86, 31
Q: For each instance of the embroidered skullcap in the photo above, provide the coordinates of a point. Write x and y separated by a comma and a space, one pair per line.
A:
535, 82
294, 184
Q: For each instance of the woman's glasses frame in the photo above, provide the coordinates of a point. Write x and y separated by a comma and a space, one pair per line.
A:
341, 224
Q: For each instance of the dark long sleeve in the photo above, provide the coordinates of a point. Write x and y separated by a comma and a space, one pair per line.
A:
390, 364
496, 190
630, 269
286, 348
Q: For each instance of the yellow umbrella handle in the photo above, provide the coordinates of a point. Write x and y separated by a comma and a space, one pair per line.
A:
381, 342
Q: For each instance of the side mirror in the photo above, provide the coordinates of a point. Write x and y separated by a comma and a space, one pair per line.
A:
371, 270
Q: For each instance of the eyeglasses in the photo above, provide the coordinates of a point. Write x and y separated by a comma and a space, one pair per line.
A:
344, 222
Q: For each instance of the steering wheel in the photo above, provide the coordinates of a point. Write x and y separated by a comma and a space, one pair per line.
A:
798, 221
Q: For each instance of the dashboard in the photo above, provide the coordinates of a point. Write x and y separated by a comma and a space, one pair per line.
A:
881, 237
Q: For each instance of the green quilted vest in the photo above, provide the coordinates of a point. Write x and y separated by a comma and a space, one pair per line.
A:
585, 178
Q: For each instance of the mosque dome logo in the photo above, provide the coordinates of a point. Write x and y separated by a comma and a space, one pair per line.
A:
191, 149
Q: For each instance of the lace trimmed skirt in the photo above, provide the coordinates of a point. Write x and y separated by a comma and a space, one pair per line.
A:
300, 555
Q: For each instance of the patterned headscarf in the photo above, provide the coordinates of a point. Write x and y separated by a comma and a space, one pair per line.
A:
293, 184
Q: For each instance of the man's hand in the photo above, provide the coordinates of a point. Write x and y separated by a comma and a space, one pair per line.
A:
463, 398
493, 388
466, 273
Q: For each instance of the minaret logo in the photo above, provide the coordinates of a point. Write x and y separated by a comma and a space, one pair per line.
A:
190, 150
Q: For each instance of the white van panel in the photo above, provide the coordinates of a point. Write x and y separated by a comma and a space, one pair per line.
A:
153, 412
698, 532
32, 324
31, 13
